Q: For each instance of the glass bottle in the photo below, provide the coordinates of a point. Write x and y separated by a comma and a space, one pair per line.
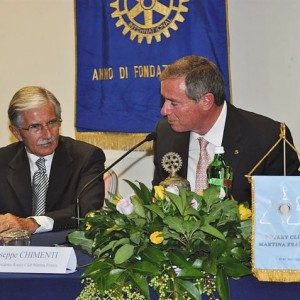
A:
219, 173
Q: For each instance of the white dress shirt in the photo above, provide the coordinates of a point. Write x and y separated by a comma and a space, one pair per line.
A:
46, 223
214, 136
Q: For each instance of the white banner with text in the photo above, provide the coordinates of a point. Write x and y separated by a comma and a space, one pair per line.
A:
276, 228
23, 259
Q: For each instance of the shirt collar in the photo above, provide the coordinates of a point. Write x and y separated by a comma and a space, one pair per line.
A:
215, 135
33, 158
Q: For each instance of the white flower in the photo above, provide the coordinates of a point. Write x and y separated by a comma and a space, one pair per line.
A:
195, 204
125, 206
172, 189
222, 193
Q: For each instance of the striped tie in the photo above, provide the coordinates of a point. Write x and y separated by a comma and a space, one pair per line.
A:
204, 160
39, 188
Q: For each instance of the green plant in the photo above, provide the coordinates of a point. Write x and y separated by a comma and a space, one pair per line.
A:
180, 244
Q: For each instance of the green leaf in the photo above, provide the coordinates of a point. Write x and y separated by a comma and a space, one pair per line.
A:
142, 285
142, 192
119, 242
217, 248
178, 201
111, 245
233, 267
213, 231
97, 267
168, 234
237, 270
153, 255
240, 254
78, 238
246, 228
222, 284
107, 278
190, 211
123, 254
134, 187
139, 223
135, 237
156, 209
179, 259
100, 251
109, 204
113, 276
211, 195
189, 288
174, 223
198, 263
138, 206
146, 193
210, 265
190, 226
146, 268
189, 273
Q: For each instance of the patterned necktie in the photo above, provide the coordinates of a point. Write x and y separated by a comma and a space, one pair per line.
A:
39, 188
203, 162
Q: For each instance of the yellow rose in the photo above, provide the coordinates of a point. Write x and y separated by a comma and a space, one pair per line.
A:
157, 237
88, 226
159, 192
245, 213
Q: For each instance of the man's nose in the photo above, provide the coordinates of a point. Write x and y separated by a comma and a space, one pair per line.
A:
46, 131
164, 109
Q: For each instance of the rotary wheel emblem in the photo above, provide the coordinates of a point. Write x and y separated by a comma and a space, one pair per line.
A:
148, 19
171, 162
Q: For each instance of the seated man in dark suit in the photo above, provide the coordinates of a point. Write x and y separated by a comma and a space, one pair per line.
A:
194, 106
42, 196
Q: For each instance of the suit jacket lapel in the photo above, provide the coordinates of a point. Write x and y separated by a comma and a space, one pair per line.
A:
181, 146
59, 175
19, 178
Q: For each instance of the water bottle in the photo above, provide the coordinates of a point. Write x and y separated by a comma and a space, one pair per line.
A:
219, 173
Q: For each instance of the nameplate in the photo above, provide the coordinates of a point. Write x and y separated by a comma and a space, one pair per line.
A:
31, 259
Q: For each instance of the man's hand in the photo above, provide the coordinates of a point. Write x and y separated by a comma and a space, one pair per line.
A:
11, 222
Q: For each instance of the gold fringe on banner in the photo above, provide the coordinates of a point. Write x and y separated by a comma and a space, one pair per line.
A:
277, 275
253, 224
115, 140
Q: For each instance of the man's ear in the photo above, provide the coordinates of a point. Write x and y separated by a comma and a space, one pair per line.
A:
208, 101
15, 131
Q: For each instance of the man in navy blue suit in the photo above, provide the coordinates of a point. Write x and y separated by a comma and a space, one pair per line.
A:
194, 106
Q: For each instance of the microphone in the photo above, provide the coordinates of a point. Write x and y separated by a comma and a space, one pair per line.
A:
150, 137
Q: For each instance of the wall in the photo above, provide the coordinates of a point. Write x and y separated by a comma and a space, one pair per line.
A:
38, 48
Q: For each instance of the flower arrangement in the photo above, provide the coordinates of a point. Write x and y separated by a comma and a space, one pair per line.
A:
176, 243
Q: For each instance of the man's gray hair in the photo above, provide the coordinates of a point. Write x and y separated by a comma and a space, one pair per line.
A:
27, 98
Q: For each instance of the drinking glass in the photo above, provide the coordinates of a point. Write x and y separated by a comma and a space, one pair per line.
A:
16, 238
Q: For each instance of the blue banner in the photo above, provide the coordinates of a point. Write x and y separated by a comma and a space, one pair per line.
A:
124, 45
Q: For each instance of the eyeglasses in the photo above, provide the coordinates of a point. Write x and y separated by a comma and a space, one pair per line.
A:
37, 128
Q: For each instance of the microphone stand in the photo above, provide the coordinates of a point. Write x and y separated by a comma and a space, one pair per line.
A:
150, 137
